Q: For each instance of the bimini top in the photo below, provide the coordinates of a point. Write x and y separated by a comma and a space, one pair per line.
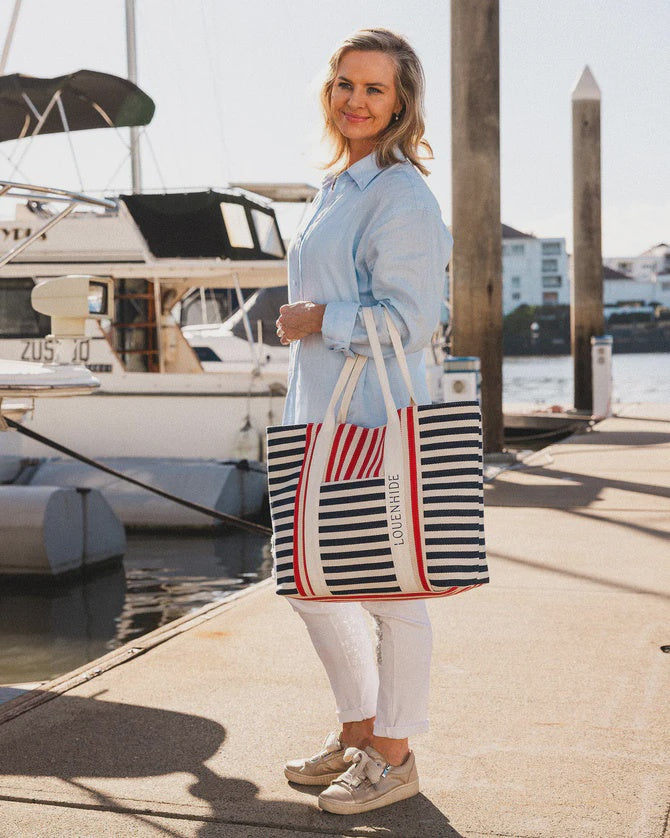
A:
89, 99
209, 224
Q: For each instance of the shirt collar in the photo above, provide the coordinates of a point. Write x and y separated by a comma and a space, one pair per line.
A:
363, 171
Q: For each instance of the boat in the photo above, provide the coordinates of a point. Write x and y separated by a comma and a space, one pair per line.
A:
145, 364
156, 406
532, 429
47, 530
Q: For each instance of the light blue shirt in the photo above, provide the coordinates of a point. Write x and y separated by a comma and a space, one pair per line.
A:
374, 237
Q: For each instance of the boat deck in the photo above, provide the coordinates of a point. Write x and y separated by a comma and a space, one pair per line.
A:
549, 708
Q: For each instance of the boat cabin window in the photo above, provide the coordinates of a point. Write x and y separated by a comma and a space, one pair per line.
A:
206, 353
18, 319
268, 234
211, 305
237, 226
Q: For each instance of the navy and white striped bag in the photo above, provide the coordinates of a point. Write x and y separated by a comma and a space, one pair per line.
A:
394, 512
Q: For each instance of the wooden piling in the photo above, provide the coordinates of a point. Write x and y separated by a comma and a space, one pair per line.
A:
476, 265
586, 296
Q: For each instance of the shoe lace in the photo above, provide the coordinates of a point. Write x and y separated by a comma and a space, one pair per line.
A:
363, 768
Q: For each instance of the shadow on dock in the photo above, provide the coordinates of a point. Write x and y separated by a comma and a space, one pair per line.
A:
88, 740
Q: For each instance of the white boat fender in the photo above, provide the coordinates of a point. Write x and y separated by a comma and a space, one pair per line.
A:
248, 442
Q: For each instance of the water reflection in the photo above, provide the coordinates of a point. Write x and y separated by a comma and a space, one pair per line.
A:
56, 627
50, 629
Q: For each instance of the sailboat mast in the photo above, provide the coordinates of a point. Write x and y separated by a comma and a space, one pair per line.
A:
131, 47
10, 36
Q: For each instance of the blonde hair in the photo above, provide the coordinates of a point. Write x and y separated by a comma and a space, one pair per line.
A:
405, 133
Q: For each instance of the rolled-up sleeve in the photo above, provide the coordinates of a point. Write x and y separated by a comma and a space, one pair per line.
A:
406, 257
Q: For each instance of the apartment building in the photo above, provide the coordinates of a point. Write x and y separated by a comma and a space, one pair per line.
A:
636, 280
535, 270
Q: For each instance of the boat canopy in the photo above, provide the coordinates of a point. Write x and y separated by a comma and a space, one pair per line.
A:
75, 102
206, 224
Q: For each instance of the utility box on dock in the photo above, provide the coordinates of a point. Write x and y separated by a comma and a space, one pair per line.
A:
461, 379
601, 363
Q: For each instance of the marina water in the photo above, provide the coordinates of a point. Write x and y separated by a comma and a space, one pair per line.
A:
50, 630
548, 380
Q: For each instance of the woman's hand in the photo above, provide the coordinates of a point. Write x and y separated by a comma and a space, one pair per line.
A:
297, 320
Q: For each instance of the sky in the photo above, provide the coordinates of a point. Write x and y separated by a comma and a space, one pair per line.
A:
236, 92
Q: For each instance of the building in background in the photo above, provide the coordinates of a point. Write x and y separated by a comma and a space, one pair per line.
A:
644, 267
537, 273
535, 270
638, 280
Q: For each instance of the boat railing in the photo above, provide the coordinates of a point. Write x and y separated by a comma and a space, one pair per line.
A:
48, 194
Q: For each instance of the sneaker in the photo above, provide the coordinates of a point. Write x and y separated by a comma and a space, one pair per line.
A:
320, 769
369, 783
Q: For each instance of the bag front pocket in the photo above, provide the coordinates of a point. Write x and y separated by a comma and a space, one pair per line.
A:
354, 538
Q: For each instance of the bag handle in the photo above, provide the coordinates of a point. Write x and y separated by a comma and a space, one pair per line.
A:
400, 355
348, 378
356, 372
373, 337
393, 459
349, 389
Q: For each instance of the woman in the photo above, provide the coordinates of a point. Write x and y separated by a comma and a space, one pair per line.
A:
374, 238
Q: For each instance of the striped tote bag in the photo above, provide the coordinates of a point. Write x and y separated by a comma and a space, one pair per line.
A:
394, 512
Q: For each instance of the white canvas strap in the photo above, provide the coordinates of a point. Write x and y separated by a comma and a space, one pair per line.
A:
395, 481
316, 466
356, 374
347, 370
358, 367
373, 337
353, 368
400, 355
394, 472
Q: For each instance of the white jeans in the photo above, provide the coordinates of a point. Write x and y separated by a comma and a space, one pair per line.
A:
391, 685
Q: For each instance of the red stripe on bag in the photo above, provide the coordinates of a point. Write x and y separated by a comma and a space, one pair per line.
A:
317, 430
343, 455
362, 597
409, 417
297, 519
378, 459
352, 472
299, 515
372, 440
331, 460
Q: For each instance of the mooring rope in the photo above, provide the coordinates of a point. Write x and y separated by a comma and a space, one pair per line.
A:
224, 517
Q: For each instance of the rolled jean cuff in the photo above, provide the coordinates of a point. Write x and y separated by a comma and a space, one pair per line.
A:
355, 714
401, 731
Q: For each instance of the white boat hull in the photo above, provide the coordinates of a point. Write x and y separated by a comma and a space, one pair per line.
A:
192, 425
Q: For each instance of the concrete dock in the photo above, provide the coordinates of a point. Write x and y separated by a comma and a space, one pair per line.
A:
550, 694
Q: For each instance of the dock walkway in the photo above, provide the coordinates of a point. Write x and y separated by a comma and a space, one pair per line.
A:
550, 695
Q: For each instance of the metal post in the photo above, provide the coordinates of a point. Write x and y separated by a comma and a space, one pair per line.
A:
131, 46
476, 265
586, 298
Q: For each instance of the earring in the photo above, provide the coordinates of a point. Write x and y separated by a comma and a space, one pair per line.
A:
396, 117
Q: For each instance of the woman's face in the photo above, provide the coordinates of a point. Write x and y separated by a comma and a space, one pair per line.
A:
364, 98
